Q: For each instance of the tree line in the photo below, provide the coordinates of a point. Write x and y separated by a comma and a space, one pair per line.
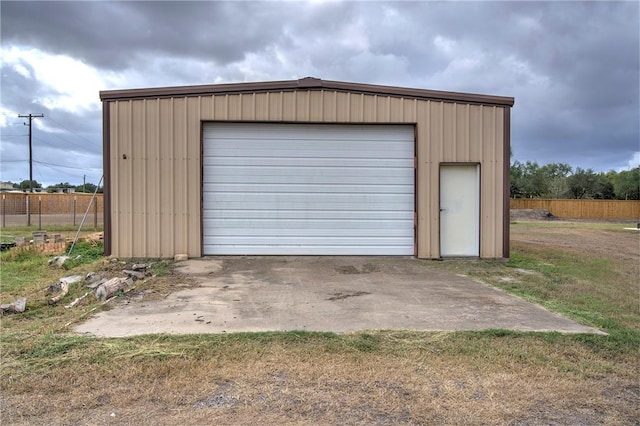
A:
25, 185
560, 180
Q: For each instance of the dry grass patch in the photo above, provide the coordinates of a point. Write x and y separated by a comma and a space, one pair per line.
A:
384, 378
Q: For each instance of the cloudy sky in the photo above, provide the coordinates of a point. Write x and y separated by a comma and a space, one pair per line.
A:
572, 67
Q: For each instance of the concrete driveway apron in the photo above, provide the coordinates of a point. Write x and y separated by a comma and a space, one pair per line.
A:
339, 294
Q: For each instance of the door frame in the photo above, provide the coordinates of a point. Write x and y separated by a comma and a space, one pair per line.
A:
478, 206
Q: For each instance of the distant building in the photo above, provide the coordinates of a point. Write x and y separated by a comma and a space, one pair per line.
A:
6, 186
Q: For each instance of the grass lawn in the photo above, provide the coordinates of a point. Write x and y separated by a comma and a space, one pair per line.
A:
52, 376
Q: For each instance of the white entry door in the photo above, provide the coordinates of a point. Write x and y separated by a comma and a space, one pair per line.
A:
460, 210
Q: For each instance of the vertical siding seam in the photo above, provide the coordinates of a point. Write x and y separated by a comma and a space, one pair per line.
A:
455, 132
115, 201
130, 190
468, 132
496, 216
172, 160
198, 201
158, 195
185, 174
442, 131
483, 174
376, 99
145, 210
415, 109
214, 107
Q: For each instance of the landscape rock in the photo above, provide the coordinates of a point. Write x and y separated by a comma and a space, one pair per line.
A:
58, 261
95, 284
92, 277
136, 275
111, 287
71, 279
140, 266
16, 307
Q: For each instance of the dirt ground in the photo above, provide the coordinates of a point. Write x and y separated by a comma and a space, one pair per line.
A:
617, 244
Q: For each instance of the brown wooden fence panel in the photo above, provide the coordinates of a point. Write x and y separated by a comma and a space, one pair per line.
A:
16, 203
50, 209
582, 209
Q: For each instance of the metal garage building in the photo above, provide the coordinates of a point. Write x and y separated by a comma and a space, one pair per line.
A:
305, 167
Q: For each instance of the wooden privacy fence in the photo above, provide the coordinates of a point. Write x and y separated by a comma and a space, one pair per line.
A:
582, 209
17, 209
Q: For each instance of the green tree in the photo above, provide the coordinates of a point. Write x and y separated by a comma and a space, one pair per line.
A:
626, 184
555, 176
530, 180
25, 185
527, 180
587, 184
88, 187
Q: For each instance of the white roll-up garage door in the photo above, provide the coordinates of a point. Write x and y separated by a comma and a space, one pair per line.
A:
308, 189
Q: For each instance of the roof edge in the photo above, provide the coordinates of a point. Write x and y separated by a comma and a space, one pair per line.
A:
307, 83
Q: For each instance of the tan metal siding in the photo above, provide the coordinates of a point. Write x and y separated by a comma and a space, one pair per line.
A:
156, 206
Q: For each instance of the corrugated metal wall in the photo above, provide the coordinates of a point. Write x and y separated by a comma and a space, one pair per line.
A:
155, 157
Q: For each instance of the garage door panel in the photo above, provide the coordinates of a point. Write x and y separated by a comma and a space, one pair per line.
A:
309, 162
312, 132
378, 151
280, 233
306, 180
319, 250
318, 188
308, 189
227, 226
310, 172
320, 201
305, 215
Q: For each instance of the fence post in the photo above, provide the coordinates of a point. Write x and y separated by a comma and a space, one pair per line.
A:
74, 210
28, 200
95, 214
4, 211
39, 213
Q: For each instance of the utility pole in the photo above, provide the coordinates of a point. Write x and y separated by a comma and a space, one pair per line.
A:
30, 117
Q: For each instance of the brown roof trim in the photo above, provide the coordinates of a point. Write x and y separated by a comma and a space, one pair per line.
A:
307, 83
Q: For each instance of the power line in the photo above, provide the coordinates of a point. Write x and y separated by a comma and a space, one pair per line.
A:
66, 167
68, 141
68, 129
